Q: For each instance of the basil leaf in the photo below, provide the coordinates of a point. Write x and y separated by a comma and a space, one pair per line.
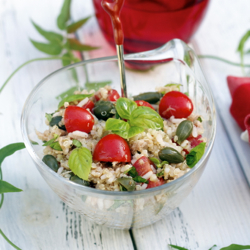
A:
174, 84
9, 150
48, 116
116, 125
48, 48
195, 154
66, 60
64, 15
74, 44
49, 35
48, 143
154, 160
75, 26
140, 179
68, 92
77, 143
125, 107
56, 146
34, 142
6, 187
199, 119
160, 174
146, 118
73, 98
96, 85
134, 131
236, 247
133, 172
177, 247
164, 162
80, 162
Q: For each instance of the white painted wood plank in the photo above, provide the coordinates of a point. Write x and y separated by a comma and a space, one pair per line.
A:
36, 218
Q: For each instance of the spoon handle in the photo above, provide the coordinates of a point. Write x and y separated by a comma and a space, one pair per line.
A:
113, 9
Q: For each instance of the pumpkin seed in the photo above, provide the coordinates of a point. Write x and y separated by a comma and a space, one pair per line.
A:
78, 180
171, 155
55, 121
51, 162
184, 130
150, 97
127, 182
104, 110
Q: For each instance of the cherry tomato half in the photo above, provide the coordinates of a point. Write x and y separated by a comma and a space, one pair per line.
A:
77, 118
113, 95
112, 148
158, 182
142, 165
144, 103
175, 103
89, 105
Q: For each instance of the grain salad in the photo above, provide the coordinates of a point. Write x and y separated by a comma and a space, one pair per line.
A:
104, 141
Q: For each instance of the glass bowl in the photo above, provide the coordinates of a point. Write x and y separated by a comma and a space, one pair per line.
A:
174, 62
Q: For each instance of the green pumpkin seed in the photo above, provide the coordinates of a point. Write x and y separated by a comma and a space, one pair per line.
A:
150, 97
51, 162
78, 180
184, 130
104, 110
171, 155
55, 121
127, 182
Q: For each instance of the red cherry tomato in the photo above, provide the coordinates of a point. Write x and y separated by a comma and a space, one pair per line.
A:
145, 104
156, 183
194, 141
113, 95
112, 148
175, 103
89, 105
77, 118
142, 165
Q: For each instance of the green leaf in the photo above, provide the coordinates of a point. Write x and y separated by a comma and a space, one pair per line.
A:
146, 118
80, 162
177, 247
64, 15
6, 187
56, 146
160, 174
96, 85
49, 35
140, 179
199, 119
133, 172
68, 92
77, 143
212, 247
195, 154
48, 143
48, 48
241, 46
49, 116
66, 61
75, 26
74, 44
174, 84
134, 131
125, 107
73, 98
155, 160
236, 247
9, 150
116, 125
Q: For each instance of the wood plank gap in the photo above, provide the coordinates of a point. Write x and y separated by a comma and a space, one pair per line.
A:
132, 238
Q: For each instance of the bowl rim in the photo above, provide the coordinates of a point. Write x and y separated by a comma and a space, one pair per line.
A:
95, 191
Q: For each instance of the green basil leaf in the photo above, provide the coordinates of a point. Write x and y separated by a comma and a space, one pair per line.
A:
177, 247
34, 142
116, 125
236, 247
48, 48
140, 179
74, 44
199, 119
9, 150
48, 143
73, 98
160, 174
77, 143
75, 26
96, 85
49, 35
133, 172
195, 154
174, 84
146, 118
125, 107
68, 92
6, 187
80, 162
134, 131
154, 160
56, 146
66, 60
164, 162
48, 116
64, 15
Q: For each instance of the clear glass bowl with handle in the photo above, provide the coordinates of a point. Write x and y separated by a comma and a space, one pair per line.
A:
174, 62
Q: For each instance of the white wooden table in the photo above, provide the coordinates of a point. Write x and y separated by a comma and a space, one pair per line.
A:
218, 209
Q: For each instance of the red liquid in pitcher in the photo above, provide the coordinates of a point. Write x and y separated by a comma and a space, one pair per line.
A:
148, 24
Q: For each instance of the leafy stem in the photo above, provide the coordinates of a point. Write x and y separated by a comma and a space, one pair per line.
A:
11, 243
